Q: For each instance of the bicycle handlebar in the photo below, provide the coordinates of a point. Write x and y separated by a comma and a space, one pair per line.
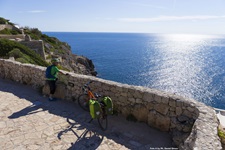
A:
87, 85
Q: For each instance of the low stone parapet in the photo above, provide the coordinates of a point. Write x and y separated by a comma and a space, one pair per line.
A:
19, 36
192, 124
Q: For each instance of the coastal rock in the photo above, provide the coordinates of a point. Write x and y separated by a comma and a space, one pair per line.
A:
75, 63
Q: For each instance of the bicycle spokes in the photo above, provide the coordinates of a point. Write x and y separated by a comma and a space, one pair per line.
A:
83, 101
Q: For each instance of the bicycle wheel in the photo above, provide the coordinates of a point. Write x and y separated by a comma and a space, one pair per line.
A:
103, 121
83, 101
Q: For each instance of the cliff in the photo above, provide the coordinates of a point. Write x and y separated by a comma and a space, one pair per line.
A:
72, 62
47, 47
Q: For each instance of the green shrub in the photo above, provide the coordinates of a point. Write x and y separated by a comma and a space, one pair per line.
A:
22, 60
14, 32
221, 134
6, 46
3, 20
33, 32
49, 57
16, 53
5, 31
63, 68
9, 31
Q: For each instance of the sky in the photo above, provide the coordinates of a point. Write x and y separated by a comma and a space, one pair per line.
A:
136, 16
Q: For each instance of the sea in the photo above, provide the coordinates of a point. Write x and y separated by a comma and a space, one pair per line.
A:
189, 65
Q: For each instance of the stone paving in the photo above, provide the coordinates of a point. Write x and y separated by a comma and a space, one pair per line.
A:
29, 121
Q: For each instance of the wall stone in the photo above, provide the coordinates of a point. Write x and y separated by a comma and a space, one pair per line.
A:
19, 36
8, 26
36, 45
192, 124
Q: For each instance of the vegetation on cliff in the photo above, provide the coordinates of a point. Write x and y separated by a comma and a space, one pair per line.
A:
8, 31
53, 48
5, 21
20, 52
56, 48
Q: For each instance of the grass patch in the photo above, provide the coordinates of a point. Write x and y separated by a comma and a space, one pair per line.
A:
221, 134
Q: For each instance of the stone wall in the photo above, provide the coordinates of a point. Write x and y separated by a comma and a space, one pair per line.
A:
36, 45
8, 26
192, 124
19, 36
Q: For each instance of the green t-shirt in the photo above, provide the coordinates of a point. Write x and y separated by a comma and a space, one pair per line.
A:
54, 72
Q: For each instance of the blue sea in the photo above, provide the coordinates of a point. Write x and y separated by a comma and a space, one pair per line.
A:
189, 65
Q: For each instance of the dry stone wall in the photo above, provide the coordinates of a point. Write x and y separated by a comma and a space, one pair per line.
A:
19, 36
192, 124
36, 45
8, 26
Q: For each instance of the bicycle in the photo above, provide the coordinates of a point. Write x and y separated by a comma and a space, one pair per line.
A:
83, 101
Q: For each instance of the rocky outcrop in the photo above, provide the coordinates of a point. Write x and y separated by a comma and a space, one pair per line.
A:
69, 61
85, 65
48, 48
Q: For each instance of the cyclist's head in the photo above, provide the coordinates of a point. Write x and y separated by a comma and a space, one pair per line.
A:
55, 61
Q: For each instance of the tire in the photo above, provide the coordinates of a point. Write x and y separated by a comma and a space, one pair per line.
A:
83, 101
103, 121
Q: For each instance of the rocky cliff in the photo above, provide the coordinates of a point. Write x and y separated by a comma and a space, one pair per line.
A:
53, 48
56, 48
69, 61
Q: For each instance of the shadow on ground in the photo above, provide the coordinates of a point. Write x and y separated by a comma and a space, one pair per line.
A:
89, 135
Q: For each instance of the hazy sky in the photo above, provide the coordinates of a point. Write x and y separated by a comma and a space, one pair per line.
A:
148, 16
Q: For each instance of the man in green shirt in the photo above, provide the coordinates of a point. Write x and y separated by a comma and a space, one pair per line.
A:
54, 77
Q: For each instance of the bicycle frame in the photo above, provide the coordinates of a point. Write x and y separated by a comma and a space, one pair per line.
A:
88, 91
91, 95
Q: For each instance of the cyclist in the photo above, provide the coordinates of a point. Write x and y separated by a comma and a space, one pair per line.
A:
54, 77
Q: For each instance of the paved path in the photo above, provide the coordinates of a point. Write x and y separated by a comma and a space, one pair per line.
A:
29, 121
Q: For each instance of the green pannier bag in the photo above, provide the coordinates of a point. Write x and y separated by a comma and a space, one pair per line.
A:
95, 109
108, 105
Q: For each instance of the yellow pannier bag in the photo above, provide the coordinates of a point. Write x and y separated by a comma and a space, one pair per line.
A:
95, 109
108, 105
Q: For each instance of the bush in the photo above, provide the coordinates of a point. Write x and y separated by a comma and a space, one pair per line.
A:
16, 53
14, 32
33, 32
22, 60
9, 32
3, 20
5, 46
5, 31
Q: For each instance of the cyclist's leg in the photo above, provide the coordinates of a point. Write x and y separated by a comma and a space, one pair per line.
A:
52, 86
